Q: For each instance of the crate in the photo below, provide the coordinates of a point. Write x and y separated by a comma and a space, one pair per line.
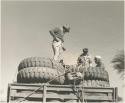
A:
62, 93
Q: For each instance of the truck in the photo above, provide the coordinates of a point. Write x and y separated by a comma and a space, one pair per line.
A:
41, 80
59, 93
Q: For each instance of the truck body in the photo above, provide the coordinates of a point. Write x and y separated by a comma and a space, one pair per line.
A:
43, 93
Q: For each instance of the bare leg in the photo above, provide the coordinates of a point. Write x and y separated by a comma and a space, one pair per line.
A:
56, 56
53, 49
56, 49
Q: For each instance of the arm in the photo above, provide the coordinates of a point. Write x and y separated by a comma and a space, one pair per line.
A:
63, 48
90, 61
53, 35
79, 61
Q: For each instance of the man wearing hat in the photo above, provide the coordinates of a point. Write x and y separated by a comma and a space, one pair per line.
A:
99, 63
84, 62
58, 39
84, 59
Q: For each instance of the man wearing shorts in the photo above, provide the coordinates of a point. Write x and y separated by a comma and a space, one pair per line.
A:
57, 43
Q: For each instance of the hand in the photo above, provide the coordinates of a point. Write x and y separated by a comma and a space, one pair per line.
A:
64, 49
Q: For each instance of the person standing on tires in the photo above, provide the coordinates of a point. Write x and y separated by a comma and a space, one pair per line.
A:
83, 62
84, 59
57, 43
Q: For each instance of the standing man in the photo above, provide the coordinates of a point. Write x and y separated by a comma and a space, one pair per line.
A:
84, 59
57, 43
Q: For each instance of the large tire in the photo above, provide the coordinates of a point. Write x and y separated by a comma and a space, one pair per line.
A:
91, 83
40, 62
106, 76
96, 74
95, 83
40, 75
93, 74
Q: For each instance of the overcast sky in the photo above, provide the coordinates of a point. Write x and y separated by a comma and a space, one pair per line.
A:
97, 25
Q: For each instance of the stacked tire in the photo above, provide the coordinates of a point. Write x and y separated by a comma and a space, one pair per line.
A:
40, 70
93, 76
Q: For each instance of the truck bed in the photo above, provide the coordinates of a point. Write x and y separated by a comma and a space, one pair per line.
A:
61, 93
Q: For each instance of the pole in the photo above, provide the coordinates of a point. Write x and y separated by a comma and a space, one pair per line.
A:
44, 93
83, 88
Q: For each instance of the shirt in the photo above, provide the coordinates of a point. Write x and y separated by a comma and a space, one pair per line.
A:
58, 33
85, 60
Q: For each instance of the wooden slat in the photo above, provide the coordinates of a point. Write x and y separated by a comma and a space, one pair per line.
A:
98, 90
44, 94
102, 90
66, 96
70, 96
106, 98
116, 94
21, 95
65, 86
8, 93
24, 102
24, 88
85, 90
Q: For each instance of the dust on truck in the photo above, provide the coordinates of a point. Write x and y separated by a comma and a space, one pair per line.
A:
45, 80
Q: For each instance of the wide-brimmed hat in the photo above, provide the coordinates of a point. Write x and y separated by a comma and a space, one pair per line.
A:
66, 28
98, 57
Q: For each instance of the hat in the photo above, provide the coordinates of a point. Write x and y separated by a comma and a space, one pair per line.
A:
66, 27
98, 57
85, 49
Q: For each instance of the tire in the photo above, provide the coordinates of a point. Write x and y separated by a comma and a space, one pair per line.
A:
101, 75
90, 73
39, 75
106, 76
93, 73
40, 62
98, 75
95, 83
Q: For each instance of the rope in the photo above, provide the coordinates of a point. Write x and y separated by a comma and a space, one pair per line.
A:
74, 90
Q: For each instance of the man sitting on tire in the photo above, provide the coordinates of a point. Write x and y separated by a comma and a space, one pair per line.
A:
57, 43
84, 61
98, 61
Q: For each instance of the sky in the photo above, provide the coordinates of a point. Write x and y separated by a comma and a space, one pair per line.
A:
25, 25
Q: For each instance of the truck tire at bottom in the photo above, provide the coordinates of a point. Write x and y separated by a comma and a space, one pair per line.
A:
40, 75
